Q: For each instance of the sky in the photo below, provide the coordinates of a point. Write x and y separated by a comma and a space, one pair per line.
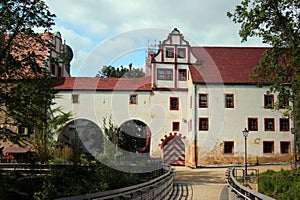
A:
118, 32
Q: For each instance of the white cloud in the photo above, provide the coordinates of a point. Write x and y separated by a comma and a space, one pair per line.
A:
86, 23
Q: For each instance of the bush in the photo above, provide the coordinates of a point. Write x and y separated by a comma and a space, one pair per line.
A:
63, 181
281, 185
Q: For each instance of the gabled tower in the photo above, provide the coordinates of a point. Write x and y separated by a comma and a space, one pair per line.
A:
170, 65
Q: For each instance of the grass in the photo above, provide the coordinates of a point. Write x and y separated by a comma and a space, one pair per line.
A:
282, 185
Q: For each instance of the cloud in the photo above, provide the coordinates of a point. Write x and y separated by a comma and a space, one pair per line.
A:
88, 24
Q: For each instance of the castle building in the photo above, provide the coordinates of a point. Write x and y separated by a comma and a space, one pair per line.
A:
194, 102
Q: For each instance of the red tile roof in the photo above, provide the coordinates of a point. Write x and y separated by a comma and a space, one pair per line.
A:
17, 150
105, 84
225, 64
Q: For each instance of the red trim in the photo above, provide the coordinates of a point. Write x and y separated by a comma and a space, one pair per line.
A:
168, 50
287, 120
288, 143
184, 53
266, 105
269, 142
169, 137
269, 120
147, 134
249, 124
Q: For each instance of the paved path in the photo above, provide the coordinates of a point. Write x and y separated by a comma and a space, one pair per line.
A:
205, 183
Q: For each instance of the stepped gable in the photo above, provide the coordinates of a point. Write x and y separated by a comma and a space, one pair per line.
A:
105, 84
231, 65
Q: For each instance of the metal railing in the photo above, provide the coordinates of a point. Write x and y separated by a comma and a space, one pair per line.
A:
25, 169
238, 191
158, 188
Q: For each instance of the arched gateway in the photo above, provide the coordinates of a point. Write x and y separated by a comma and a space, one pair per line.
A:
173, 149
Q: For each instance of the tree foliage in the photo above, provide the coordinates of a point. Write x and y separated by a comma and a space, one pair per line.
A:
26, 95
277, 22
120, 72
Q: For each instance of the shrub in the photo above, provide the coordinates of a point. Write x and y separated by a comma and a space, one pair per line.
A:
281, 185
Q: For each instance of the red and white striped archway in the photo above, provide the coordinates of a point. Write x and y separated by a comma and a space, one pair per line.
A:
173, 149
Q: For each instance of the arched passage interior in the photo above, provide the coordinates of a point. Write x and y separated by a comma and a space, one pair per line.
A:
134, 136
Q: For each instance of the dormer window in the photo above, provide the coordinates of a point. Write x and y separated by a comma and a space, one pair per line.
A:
181, 52
170, 52
165, 74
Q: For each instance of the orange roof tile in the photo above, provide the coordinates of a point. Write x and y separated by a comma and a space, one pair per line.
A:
108, 84
225, 64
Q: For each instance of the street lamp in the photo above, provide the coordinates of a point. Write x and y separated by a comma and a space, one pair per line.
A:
245, 134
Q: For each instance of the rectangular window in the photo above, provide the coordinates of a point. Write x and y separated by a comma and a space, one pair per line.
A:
170, 52
284, 124
268, 146
229, 101
175, 126
169, 74
269, 124
203, 101
284, 103
133, 99
229, 147
203, 124
252, 124
160, 74
269, 101
165, 74
75, 98
181, 52
284, 147
174, 103
182, 74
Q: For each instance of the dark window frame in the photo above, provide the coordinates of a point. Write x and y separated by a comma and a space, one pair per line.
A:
174, 103
284, 124
201, 101
131, 99
164, 74
203, 127
269, 101
182, 74
252, 124
268, 147
169, 52
285, 147
268, 126
181, 55
228, 147
229, 104
75, 98
175, 126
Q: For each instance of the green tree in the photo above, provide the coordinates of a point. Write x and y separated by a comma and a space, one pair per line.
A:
120, 72
26, 94
277, 23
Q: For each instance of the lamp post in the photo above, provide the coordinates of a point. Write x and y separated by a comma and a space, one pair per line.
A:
245, 134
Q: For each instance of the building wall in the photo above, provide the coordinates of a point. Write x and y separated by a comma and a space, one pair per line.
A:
226, 125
